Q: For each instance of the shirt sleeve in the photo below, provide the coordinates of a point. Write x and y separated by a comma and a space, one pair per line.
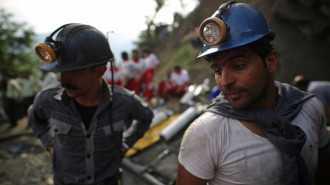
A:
322, 120
185, 76
155, 59
197, 151
142, 116
39, 122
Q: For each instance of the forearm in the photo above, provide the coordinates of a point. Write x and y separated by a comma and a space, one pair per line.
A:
40, 127
136, 131
322, 175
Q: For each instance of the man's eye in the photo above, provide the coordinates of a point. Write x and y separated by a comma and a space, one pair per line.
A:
218, 71
239, 66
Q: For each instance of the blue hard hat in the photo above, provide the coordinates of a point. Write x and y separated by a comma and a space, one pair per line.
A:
243, 24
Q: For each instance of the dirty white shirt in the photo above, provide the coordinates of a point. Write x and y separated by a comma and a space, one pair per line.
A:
226, 152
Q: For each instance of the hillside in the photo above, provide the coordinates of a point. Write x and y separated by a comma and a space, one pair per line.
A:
302, 30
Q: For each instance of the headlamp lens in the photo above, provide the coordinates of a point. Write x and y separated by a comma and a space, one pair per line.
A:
46, 53
212, 31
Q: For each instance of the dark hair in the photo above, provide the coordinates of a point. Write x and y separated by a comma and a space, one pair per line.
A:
177, 67
124, 55
146, 50
262, 47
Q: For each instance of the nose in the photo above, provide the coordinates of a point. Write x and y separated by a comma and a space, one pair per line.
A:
227, 78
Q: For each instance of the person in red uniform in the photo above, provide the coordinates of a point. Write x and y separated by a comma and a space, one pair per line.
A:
128, 70
117, 80
151, 62
140, 69
179, 81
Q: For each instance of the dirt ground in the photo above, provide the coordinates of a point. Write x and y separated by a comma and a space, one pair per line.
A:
23, 160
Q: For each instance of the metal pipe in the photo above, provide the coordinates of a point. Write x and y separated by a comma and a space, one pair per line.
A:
185, 118
139, 170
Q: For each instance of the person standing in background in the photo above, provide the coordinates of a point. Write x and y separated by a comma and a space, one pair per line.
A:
321, 89
151, 62
30, 87
128, 72
12, 98
140, 68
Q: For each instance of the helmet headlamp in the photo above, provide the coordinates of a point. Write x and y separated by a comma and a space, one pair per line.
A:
50, 50
212, 31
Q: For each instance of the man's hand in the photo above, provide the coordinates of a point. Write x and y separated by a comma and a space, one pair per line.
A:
51, 150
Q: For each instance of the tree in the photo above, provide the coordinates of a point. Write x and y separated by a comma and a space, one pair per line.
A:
16, 53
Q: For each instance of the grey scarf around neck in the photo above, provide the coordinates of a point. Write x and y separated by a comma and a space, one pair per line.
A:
287, 138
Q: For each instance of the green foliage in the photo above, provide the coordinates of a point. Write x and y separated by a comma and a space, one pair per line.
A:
15, 46
149, 40
185, 57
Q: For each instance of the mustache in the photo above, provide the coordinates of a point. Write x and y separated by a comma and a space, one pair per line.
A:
69, 86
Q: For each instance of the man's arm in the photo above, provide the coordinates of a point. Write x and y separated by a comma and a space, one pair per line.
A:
184, 177
39, 122
327, 111
322, 171
142, 116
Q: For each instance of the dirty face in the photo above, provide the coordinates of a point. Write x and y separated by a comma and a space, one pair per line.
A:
243, 77
80, 82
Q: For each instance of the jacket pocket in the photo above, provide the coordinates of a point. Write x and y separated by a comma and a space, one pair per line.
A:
117, 127
59, 127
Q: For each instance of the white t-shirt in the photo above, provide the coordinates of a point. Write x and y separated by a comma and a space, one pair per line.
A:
151, 61
224, 150
128, 69
30, 86
180, 79
140, 67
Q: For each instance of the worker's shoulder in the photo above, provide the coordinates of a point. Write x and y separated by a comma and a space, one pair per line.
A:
122, 91
52, 88
212, 119
313, 104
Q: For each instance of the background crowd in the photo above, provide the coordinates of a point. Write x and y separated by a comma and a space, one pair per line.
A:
18, 92
136, 72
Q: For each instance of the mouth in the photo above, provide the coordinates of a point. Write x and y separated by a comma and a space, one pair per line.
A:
233, 95
69, 86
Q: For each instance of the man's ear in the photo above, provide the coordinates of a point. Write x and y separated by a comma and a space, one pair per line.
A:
271, 61
101, 70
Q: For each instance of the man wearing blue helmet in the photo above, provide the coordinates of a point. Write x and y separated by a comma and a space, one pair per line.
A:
81, 123
258, 131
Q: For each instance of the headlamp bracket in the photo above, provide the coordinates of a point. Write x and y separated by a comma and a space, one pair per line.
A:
214, 30
50, 50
